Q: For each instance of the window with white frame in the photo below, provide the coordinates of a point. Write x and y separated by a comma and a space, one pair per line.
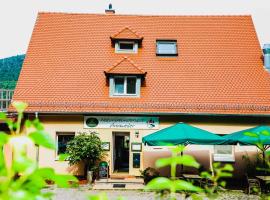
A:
126, 47
62, 138
224, 153
125, 86
166, 48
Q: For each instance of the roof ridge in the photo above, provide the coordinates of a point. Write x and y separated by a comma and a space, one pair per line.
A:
147, 15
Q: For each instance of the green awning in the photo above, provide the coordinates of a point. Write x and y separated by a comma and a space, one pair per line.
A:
182, 133
240, 137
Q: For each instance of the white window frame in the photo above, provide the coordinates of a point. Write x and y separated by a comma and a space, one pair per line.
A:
137, 85
166, 42
118, 50
56, 140
224, 157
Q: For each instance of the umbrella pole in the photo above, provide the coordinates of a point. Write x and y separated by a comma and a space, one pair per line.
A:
211, 162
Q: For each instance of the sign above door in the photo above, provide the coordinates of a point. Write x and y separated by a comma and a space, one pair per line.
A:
118, 122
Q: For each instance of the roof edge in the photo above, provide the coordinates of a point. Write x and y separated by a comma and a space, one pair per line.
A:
147, 114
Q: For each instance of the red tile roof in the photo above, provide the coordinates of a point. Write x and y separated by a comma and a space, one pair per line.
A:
219, 69
127, 33
125, 66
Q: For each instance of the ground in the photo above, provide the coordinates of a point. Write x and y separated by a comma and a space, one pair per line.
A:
83, 192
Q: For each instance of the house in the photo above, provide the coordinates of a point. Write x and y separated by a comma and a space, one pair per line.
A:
126, 76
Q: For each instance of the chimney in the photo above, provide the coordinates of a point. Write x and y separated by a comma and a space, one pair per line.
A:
110, 11
266, 52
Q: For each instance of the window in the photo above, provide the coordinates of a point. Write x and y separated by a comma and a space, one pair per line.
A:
62, 140
126, 47
167, 48
125, 86
224, 153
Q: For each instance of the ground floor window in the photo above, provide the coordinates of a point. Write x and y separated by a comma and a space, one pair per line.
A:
224, 153
62, 138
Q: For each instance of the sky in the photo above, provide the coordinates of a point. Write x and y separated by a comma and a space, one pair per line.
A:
17, 17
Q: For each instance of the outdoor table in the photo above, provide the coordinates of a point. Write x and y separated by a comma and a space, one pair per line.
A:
194, 177
264, 180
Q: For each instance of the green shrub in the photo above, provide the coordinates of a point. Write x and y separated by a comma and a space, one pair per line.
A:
149, 173
85, 148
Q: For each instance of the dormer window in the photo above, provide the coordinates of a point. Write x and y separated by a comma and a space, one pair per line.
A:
125, 86
126, 47
125, 79
166, 48
126, 41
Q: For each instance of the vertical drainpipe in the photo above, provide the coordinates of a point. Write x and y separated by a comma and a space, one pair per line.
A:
37, 147
266, 52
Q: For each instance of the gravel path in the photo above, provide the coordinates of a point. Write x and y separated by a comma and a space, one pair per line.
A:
83, 192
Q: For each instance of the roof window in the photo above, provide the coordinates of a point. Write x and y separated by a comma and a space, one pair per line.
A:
166, 48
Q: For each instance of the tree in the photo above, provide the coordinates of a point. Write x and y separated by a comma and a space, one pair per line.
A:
86, 148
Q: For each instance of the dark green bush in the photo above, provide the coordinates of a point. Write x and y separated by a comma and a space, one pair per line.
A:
148, 174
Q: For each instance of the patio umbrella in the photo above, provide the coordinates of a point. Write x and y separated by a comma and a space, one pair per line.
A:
258, 136
182, 133
244, 137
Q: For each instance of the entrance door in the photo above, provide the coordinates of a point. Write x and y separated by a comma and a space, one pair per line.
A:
121, 152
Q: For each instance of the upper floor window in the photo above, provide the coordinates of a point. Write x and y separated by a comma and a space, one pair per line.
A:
166, 48
126, 47
125, 86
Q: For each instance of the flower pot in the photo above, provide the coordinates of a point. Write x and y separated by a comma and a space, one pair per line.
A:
90, 176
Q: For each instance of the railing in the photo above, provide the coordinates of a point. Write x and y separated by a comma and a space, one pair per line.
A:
5, 99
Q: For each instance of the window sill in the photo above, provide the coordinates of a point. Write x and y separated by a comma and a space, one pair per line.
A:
125, 95
166, 55
223, 158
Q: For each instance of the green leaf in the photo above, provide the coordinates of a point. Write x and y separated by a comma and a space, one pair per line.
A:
225, 174
250, 134
37, 124
46, 173
186, 186
43, 139
223, 183
2, 116
3, 138
206, 175
19, 106
216, 165
178, 149
63, 157
65, 180
188, 160
163, 162
28, 123
266, 133
160, 183
228, 167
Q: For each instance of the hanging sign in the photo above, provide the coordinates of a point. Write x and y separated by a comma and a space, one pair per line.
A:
118, 122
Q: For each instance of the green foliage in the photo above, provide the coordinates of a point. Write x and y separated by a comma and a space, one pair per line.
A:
215, 180
85, 147
172, 184
24, 180
149, 173
9, 71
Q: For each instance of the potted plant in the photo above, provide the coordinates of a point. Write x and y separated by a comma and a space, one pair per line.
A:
148, 174
85, 148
